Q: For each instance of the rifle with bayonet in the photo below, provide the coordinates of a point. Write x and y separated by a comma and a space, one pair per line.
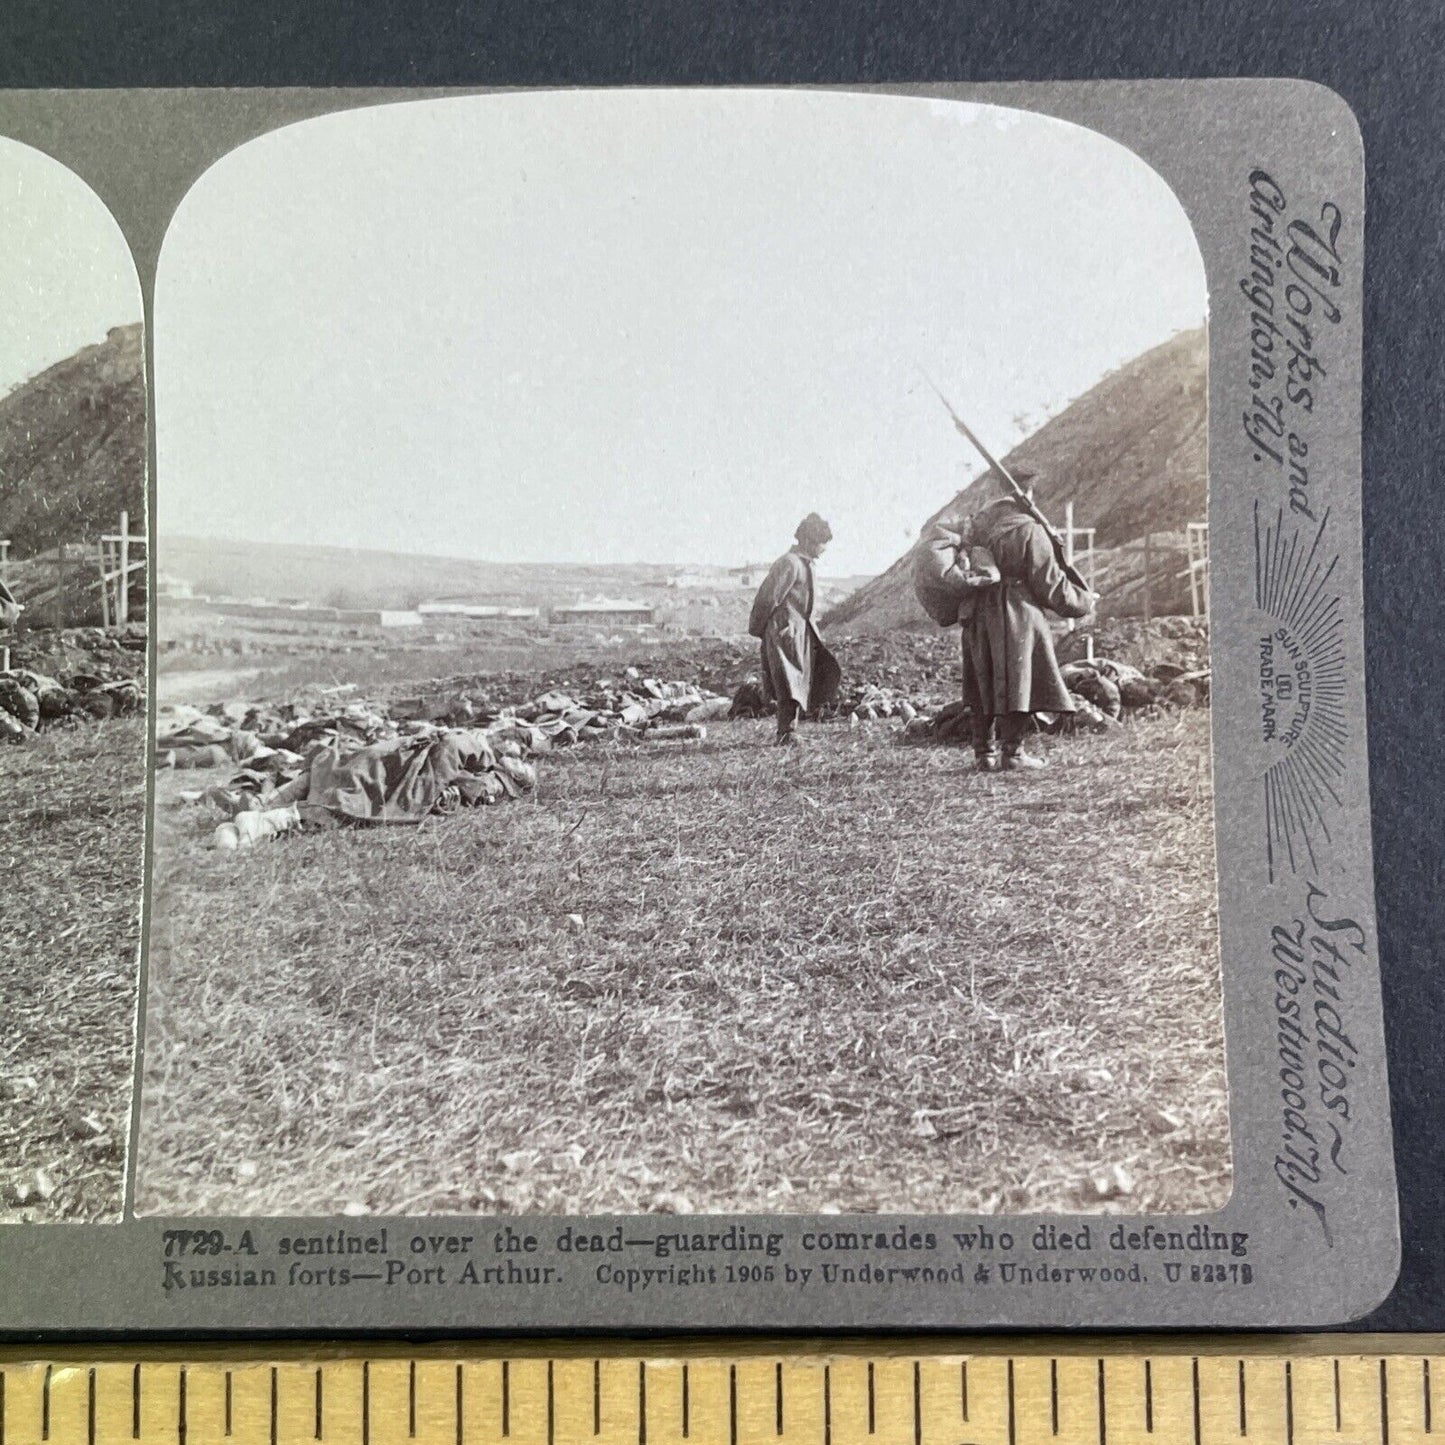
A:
1021, 496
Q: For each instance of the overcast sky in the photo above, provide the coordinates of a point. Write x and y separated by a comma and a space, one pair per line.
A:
66, 274
641, 326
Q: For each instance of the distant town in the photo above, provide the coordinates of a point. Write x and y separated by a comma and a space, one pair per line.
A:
699, 599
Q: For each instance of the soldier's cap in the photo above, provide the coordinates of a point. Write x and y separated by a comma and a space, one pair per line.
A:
814, 526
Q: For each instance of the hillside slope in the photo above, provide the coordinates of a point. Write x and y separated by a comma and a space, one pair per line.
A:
73, 447
1130, 455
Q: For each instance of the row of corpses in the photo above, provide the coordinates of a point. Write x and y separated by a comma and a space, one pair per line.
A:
369, 763
1104, 692
373, 763
32, 702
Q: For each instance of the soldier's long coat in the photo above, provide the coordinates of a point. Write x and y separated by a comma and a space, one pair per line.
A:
795, 662
1008, 651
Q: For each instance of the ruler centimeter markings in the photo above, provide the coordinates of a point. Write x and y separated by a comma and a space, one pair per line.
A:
1048, 1392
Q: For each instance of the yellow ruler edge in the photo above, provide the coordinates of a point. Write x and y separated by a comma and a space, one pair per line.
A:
996, 1390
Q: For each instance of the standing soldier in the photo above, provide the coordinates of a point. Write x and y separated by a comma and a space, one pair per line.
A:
1009, 668
799, 673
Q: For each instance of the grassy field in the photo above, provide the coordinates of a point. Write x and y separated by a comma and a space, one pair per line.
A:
715, 977
73, 809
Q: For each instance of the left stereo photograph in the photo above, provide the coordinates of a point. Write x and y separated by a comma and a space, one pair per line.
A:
73, 636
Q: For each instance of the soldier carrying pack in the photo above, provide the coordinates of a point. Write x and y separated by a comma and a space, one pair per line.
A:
949, 572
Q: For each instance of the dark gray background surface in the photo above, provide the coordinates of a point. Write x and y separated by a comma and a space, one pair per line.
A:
1385, 59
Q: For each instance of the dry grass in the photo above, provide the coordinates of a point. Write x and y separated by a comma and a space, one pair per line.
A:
73, 810
860, 976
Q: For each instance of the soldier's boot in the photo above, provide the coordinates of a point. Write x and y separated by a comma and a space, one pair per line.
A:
986, 760
1016, 760
788, 714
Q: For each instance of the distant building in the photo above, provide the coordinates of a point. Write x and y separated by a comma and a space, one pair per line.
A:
605, 612
703, 579
477, 611
172, 586
383, 618
750, 575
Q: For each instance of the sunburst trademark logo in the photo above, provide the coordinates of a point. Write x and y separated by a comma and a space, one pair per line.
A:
1302, 724
1286, 687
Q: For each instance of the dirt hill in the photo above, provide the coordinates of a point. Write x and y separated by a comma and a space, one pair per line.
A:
73, 447
1130, 455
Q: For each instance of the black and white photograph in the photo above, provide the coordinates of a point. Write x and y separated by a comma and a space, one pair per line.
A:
72, 688
683, 668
